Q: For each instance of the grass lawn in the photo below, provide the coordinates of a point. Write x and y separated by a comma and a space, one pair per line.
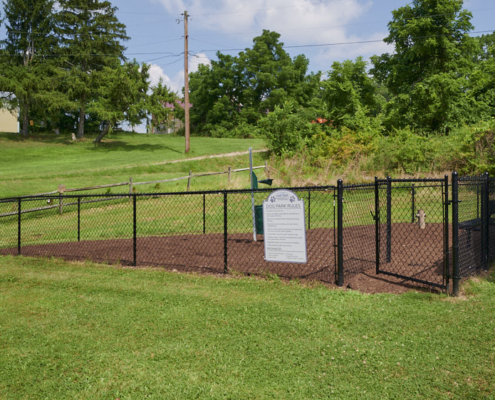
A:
84, 331
40, 163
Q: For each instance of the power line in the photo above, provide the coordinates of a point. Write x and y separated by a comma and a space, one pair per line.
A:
341, 43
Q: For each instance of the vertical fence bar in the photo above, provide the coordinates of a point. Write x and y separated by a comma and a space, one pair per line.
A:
204, 213
309, 210
446, 254
134, 230
225, 225
19, 200
413, 199
377, 226
455, 233
340, 236
486, 194
389, 219
480, 190
78, 219
60, 204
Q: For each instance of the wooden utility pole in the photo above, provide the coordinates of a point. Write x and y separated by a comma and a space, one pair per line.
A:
186, 82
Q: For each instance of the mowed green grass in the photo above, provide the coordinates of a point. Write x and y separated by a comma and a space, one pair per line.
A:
85, 331
40, 163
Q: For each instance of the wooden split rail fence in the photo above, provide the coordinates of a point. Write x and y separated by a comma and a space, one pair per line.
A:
61, 190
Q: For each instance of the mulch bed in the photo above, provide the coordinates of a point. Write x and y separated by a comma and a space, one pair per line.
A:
414, 252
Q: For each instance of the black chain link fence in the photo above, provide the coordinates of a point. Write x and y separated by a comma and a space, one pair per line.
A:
412, 230
425, 231
359, 245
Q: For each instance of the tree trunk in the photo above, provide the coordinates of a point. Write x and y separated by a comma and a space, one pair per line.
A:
105, 130
82, 117
25, 118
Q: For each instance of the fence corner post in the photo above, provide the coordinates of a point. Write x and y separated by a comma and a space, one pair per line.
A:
19, 204
134, 230
389, 219
455, 233
225, 226
340, 236
377, 226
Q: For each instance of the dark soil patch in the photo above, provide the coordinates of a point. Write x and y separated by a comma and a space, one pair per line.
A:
414, 253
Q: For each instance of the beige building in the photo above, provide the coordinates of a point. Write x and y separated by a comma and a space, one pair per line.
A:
8, 121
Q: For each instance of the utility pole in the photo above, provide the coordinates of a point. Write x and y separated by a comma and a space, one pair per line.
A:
186, 82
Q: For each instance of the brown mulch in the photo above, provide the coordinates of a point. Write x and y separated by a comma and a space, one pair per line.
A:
414, 252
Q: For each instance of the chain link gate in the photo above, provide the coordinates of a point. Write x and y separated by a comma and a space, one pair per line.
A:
412, 230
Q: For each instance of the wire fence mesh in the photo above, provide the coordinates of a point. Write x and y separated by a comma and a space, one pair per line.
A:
359, 229
412, 230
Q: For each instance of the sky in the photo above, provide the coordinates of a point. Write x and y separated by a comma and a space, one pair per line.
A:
156, 28
323, 30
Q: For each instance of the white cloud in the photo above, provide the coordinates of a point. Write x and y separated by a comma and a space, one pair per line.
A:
176, 82
300, 22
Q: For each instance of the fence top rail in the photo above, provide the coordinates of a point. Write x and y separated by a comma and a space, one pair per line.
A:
411, 180
161, 194
360, 186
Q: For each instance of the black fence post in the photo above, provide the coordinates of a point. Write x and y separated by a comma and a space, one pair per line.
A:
455, 233
78, 219
389, 219
486, 194
446, 246
19, 200
309, 210
340, 236
377, 226
413, 199
134, 229
225, 225
204, 213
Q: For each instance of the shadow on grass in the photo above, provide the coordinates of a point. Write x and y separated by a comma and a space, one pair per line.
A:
116, 145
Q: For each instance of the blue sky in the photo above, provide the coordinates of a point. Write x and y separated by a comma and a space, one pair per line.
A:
157, 37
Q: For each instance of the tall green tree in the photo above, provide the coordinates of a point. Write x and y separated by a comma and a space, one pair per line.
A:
158, 96
29, 49
350, 89
243, 88
121, 95
427, 73
91, 37
483, 77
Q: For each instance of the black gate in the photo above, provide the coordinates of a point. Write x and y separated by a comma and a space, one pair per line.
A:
412, 230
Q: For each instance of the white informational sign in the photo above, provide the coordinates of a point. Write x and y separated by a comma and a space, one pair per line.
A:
284, 228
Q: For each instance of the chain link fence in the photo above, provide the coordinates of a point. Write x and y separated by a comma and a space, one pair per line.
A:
426, 231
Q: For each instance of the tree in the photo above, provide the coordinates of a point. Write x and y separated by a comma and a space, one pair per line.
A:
91, 40
28, 70
349, 89
427, 74
242, 89
156, 104
121, 95
483, 77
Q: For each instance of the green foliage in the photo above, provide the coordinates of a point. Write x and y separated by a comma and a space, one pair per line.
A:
122, 95
288, 129
90, 39
404, 151
428, 72
349, 90
27, 70
241, 89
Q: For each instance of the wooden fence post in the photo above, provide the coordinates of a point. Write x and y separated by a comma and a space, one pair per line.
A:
130, 188
230, 172
189, 181
61, 190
